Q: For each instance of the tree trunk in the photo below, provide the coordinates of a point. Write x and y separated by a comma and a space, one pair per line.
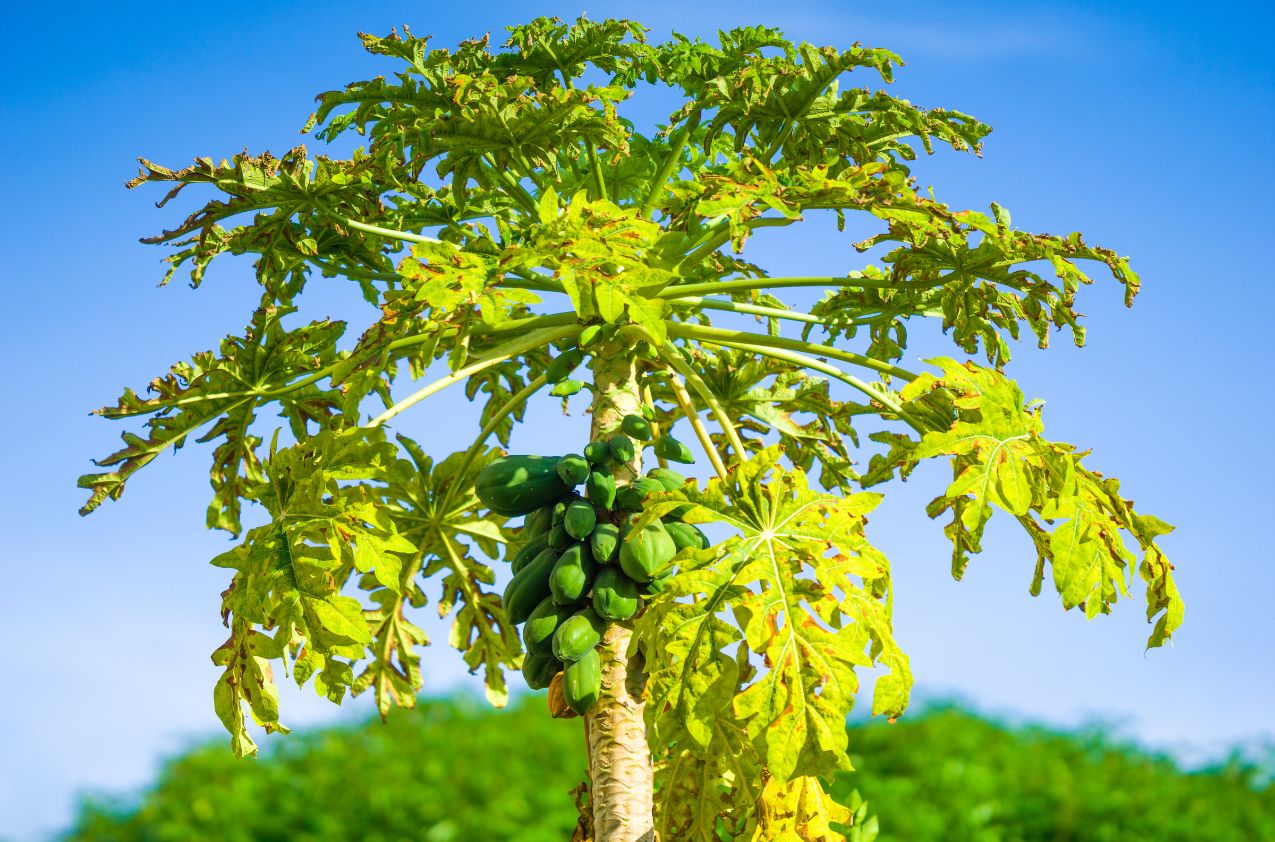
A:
619, 757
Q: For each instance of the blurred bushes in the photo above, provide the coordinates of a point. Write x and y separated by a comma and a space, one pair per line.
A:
448, 771
950, 775
454, 770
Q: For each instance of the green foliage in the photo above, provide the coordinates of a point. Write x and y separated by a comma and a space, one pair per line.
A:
949, 775
447, 772
451, 771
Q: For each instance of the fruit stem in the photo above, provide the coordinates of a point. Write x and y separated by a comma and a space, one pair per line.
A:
701, 432
497, 355
673, 357
655, 427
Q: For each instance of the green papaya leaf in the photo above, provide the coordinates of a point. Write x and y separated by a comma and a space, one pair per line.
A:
1077, 518
224, 393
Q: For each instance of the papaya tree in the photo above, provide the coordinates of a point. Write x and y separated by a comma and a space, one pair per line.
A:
518, 233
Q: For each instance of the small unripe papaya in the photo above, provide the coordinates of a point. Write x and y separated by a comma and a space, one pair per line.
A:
600, 487
563, 365
605, 542
621, 447
635, 426
598, 453
645, 553
572, 469
580, 519
673, 450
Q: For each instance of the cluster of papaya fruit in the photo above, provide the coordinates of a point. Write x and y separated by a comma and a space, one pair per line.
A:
580, 566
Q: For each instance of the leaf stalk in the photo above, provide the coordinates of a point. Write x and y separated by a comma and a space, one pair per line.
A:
496, 356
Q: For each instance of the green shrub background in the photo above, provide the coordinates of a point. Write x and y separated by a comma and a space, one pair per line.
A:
456, 770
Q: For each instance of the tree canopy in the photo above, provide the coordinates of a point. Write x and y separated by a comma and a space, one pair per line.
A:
505, 211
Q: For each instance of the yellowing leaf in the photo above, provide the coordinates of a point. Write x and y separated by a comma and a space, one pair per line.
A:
798, 811
1001, 459
808, 594
339, 615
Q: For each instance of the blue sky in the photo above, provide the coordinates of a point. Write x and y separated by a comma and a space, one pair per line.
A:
1143, 126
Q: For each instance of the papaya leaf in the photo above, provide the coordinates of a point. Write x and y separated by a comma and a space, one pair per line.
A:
809, 596
290, 573
445, 279
798, 811
979, 280
295, 226
764, 396
702, 793
247, 677
1000, 459
600, 254
434, 506
548, 46
394, 671
266, 363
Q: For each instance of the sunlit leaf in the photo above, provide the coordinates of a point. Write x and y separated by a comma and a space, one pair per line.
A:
806, 592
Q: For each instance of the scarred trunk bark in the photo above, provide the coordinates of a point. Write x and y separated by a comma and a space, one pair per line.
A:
619, 757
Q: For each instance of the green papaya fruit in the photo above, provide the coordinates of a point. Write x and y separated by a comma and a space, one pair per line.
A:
537, 633
538, 522
605, 542
559, 512
582, 682
615, 596
598, 453
518, 485
572, 574
529, 586
673, 450
600, 487
572, 469
529, 551
559, 538
580, 519
594, 334
704, 543
637, 427
667, 477
646, 552
539, 670
648, 485
577, 635
621, 447
566, 388
563, 364
684, 535
630, 497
